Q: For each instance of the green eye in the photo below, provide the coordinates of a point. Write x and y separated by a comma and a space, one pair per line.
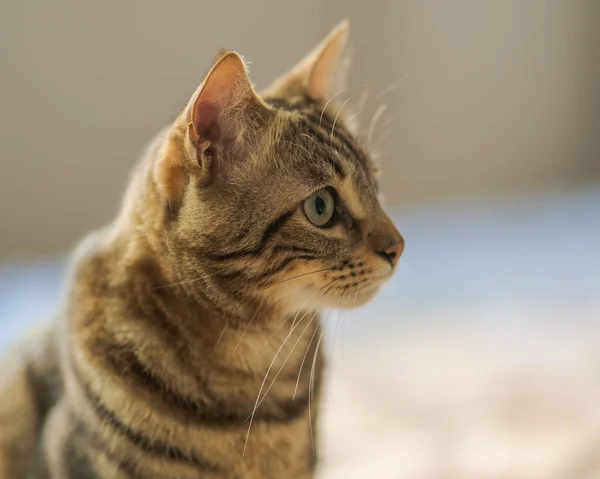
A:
319, 208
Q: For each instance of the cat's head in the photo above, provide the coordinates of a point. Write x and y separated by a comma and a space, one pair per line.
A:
270, 196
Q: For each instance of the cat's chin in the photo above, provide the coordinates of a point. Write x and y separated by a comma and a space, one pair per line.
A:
357, 299
347, 301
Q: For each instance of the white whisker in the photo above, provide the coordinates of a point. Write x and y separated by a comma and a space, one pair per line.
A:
296, 145
336, 118
337, 325
380, 111
263, 384
220, 336
298, 276
362, 100
293, 290
311, 389
248, 325
303, 360
310, 138
327, 104
288, 318
286, 359
351, 117
384, 92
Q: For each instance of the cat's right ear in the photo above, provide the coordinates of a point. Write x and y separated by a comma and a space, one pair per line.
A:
322, 73
217, 123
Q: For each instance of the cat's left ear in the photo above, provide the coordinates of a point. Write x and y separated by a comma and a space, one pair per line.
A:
322, 74
223, 111
221, 119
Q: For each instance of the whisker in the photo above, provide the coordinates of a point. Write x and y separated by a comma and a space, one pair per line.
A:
263, 385
293, 290
385, 91
330, 284
285, 321
336, 118
311, 389
337, 325
295, 317
295, 144
302, 363
298, 276
344, 364
380, 111
327, 104
359, 110
305, 313
220, 336
282, 324
248, 325
342, 341
294, 325
313, 367
393, 86
311, 138
364, 96
351, 117
286, 359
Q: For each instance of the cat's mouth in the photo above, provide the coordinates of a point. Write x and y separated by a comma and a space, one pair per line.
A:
350, 296
344, 286
346, 292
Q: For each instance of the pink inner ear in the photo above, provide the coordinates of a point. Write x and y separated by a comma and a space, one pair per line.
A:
206, 124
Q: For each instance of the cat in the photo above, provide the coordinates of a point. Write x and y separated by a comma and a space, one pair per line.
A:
188, 345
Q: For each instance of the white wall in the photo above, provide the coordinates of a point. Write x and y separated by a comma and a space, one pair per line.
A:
491, 95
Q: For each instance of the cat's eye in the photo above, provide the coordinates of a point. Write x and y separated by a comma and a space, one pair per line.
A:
319, 208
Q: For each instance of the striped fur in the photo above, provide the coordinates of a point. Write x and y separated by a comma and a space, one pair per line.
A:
189, 342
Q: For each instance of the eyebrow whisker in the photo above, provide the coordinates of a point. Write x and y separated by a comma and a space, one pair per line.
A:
336, 118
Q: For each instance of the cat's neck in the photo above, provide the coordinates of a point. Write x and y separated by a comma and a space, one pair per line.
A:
126, 277
145, 349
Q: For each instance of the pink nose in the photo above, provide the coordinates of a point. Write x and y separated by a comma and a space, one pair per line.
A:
385, 239
392, 249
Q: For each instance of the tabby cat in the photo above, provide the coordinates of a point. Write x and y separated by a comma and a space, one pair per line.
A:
187, 347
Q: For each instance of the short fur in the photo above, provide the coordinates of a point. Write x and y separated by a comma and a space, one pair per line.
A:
188, 345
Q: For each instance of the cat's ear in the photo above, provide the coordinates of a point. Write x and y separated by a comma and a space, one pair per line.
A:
321, 74
222, 109
218, 122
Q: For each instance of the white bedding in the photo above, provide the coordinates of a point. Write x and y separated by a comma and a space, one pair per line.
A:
481, 360
478, 361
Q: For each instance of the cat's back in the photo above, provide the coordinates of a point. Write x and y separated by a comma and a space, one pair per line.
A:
30, 385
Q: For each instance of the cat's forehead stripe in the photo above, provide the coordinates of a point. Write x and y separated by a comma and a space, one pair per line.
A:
318, 135
322, 128
332, 131
325, 136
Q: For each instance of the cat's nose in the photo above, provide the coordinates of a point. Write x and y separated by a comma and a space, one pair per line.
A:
392, 250
385, 240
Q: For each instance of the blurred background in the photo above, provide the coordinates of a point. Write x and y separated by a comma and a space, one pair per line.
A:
479, 360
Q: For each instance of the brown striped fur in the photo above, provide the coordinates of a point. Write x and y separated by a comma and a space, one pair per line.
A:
189, 343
